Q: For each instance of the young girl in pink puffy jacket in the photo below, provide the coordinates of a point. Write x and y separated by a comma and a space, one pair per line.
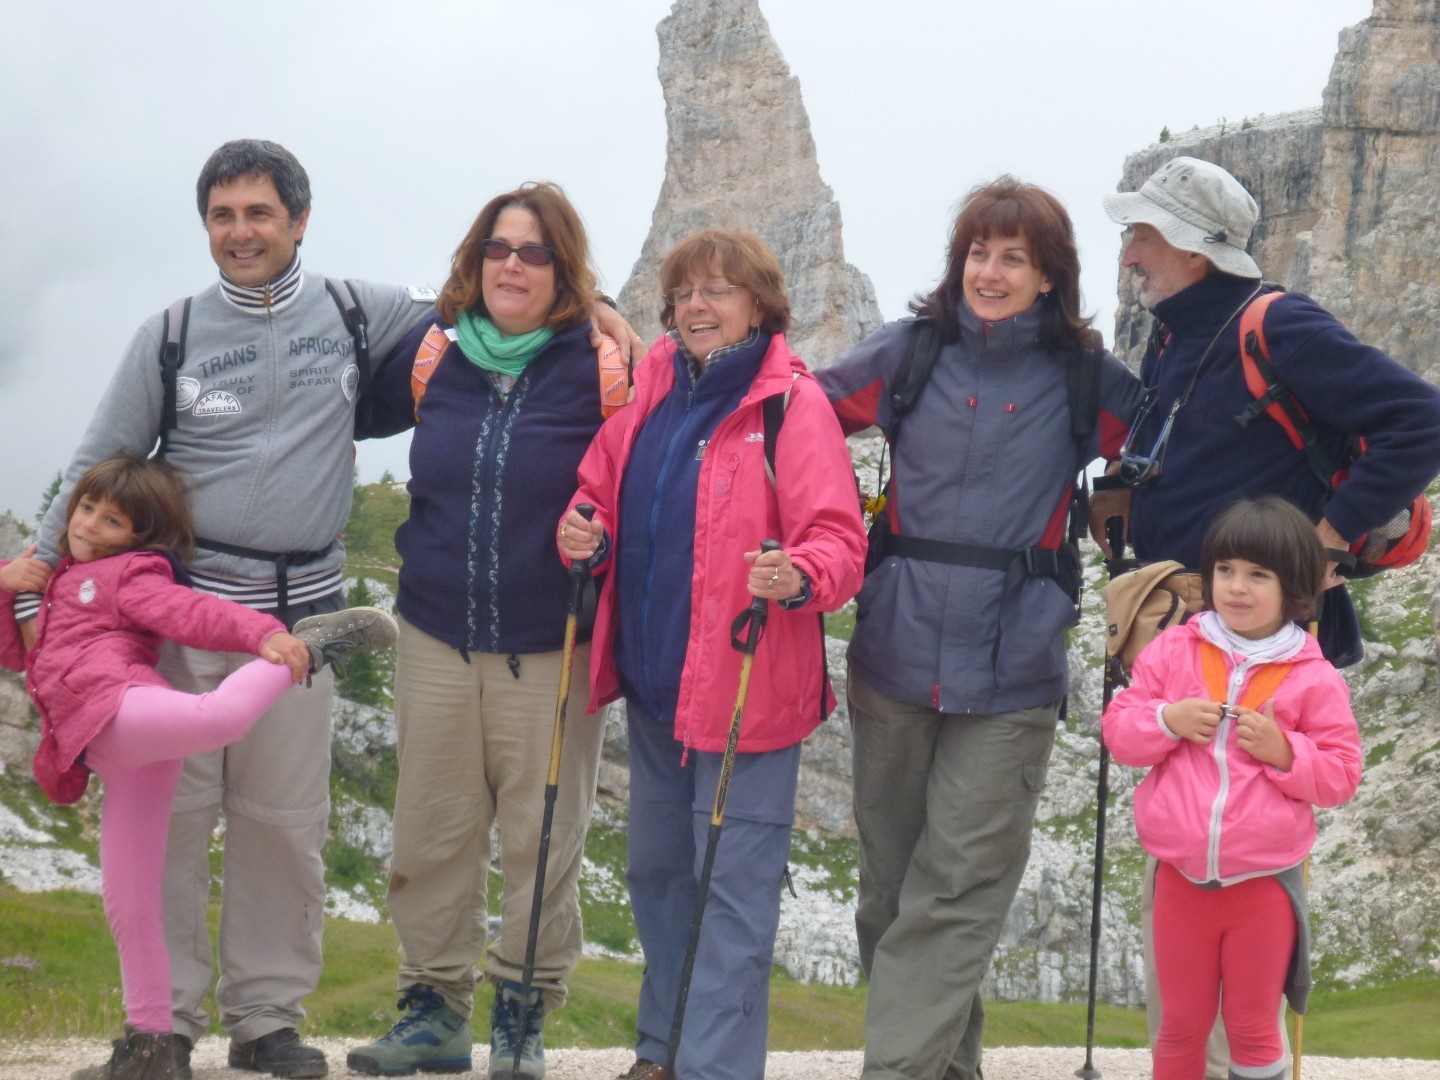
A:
1245, 728
104, 709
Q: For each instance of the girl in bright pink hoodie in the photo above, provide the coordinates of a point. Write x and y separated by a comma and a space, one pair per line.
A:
1246, 728
103, 707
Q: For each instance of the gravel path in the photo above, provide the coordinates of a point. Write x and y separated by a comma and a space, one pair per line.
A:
56, 1060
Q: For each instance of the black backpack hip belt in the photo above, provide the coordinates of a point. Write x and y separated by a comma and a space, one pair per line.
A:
1037, 562
281, 560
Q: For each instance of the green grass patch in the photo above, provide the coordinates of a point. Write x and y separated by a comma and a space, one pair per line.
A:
841, 624
1378, 753
59, 977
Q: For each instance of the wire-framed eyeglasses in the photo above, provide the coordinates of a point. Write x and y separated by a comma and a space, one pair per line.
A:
713, 293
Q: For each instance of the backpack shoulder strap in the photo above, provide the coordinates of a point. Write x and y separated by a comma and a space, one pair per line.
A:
1263, 684
1082, 377
914, 371
1258, 690
354, 317
172, 354
1082, 387
1272, 397
427, 358
615, 376
772, 411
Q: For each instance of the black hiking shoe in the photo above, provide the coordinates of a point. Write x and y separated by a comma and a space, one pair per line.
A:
183, 1047
280, 1053
138, 1056
339, 634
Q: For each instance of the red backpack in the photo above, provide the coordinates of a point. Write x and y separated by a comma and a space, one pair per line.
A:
1397, 543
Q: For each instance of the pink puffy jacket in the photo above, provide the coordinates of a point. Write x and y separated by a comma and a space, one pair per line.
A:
812, 509
1214, 812
98, 634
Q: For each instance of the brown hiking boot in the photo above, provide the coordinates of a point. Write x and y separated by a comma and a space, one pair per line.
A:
138, 1056
646, 1070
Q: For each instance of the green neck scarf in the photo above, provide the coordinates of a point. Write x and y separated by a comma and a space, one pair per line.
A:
487, 348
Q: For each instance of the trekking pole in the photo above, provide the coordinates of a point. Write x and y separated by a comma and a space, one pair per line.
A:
750, 622
1115, 533
1295, 1050
579, 571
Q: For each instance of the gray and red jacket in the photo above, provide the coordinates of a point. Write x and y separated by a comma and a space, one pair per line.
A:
988, 459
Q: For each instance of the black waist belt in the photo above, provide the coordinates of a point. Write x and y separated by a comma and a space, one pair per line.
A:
282, 561
1038, 562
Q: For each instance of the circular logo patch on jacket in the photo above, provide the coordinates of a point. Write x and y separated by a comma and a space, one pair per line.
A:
87, 590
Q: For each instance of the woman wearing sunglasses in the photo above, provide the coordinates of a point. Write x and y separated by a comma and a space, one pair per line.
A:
511, 399
957, 662
685, 494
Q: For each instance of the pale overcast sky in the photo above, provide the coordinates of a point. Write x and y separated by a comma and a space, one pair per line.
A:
409, 116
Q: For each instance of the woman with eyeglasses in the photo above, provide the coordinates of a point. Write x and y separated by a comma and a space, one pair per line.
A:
688, 482
957, 667
504, 391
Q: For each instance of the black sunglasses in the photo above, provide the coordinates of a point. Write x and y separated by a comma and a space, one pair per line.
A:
532, 254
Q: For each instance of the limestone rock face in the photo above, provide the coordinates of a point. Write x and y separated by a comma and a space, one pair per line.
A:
1349, 194
1376, 254
739, 153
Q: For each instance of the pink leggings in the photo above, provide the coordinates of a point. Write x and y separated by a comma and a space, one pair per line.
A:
1242, 935
139, 755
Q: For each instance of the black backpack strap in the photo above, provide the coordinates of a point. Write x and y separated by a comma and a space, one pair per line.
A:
354, 316
772, 411
913, 373
1082, 383
172, 355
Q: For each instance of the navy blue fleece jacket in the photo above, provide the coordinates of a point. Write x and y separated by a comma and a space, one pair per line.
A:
489, 478
1348, 388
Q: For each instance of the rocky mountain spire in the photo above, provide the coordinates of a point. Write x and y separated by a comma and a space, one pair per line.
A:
739, 153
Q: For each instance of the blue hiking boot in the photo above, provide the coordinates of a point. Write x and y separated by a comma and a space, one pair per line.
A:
430, 1037
505, 1034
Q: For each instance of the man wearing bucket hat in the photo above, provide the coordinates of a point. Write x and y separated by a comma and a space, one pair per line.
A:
1188, 455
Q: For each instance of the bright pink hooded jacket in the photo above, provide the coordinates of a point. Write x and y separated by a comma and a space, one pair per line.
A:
812, 509
1214, 812
98, 634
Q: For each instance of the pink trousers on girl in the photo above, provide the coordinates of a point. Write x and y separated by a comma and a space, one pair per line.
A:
138, 755
1242, 935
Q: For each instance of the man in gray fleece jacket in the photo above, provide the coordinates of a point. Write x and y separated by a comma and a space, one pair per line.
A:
264, 414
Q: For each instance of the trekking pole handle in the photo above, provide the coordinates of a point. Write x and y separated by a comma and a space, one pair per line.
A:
1115, 533
757, 604
580, 568
751, 620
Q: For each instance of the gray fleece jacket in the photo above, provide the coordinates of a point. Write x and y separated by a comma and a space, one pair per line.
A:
265, 423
